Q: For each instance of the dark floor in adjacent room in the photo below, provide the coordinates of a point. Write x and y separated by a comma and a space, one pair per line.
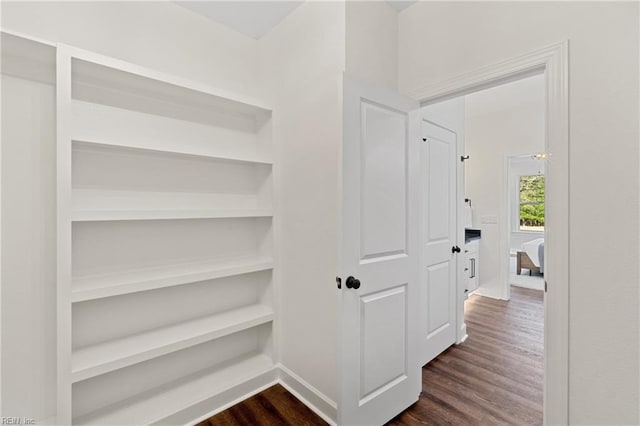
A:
494, 378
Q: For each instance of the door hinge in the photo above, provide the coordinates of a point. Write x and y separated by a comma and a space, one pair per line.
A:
463, 158
339, 282
545, 286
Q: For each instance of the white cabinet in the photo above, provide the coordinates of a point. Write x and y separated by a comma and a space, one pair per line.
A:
472, 251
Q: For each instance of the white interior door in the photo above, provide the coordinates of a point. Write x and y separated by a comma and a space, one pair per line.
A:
440, 249
380, 371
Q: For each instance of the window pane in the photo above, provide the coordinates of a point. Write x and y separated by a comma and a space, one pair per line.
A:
532, 203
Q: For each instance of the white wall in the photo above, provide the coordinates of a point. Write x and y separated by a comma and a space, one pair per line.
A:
302, 61
603, 87
159, 35
372, 42
500, 122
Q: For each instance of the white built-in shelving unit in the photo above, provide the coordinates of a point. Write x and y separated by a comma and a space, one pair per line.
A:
165, 244
28, 228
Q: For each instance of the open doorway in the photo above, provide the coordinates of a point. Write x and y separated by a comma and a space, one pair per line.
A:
550, 343
504, 185
505, 217
525, 227
496, 373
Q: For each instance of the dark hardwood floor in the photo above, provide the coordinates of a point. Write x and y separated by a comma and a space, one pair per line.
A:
493, 378
272, 407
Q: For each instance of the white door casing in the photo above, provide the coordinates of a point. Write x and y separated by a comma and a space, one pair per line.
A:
379, 369
439, 262
553, 61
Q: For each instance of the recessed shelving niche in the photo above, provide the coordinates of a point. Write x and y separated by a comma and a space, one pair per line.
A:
168, 386
119, 183
166, 272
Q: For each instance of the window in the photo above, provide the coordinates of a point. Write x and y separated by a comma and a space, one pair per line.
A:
531, 196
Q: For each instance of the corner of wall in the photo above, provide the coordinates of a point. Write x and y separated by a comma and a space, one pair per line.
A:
372, 42
301, 64
311, 397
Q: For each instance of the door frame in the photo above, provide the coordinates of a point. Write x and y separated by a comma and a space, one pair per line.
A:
553, 62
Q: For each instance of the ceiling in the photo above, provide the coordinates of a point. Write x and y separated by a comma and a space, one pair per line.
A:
252, 18
401, 5
255, 18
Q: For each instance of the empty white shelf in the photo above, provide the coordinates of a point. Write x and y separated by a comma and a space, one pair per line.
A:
155, 405
98, 126
112, 215
91, 200
140, 145
94, 69
107, 285
154, 151
101, 358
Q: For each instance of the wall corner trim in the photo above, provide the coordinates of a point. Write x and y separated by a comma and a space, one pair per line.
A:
308, 395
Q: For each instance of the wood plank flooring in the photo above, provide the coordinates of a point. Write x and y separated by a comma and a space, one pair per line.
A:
274, 406
494, 378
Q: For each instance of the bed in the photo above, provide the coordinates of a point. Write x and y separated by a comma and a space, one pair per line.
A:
531, 257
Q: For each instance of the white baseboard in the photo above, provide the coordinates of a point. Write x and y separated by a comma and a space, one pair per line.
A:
488, 293
539, 287
463, 333
298, 387
201, 410
308, 395
525, 281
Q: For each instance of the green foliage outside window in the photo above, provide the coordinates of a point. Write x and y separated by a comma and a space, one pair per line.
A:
532, 202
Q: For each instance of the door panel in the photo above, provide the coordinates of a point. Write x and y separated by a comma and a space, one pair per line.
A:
438, 154
384, 334
384, 182
380, 371
437, 283
438, 319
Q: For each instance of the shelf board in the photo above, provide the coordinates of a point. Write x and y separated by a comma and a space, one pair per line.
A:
95, 69
104, 357
119, 200
158, 404
141, 146
114, 215
28, 58
108, 285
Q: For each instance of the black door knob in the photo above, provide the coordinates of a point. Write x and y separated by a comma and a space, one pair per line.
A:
455, 249
353, 283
